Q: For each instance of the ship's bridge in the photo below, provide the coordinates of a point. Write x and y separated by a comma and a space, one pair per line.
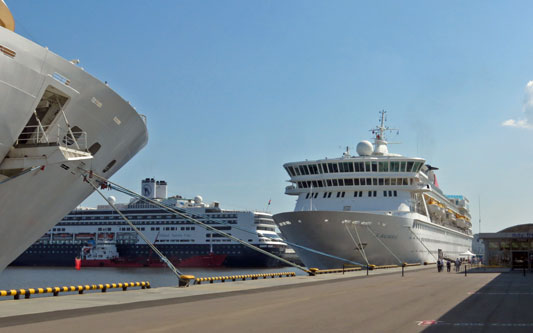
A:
356, 171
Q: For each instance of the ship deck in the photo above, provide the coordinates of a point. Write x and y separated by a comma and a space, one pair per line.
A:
422, 300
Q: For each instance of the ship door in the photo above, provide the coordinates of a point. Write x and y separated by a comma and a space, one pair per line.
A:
520, 259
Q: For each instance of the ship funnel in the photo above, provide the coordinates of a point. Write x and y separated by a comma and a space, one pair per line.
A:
161, 189
148, 188
6, 18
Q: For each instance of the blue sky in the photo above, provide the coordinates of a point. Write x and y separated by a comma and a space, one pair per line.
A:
234, 89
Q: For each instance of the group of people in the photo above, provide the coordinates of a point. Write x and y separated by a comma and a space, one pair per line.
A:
440, 265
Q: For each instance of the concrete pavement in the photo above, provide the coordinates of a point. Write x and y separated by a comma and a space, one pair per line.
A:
384, 302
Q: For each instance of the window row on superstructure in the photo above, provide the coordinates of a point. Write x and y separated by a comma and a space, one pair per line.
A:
366, 166
357, 182
356, 194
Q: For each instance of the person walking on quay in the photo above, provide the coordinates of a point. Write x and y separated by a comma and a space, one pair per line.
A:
439, 265
457, 265
448, 266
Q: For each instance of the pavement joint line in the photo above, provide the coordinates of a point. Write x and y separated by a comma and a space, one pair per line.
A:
18, 312
475, 324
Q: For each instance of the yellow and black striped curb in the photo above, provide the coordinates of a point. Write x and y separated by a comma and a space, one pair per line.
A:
358, 268
16, 293
242, 277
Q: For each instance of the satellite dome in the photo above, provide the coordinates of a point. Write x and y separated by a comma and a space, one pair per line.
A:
112, 199
365, 148
198, 199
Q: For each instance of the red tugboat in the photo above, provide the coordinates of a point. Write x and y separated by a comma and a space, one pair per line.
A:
105, 254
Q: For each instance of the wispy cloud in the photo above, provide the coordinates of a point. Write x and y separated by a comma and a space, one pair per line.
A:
525, 122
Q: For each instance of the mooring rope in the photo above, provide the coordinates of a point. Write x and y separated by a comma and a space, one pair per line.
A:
161, 255
421, 242
205, 226
386, 247
189, 216
358, 247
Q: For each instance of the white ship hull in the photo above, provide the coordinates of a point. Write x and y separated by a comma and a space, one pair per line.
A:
383, 239
35, 201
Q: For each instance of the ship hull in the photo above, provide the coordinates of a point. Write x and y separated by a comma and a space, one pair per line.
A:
142, 256
33, 202
367, 238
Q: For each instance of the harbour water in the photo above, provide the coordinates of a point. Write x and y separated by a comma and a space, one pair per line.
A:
34, 277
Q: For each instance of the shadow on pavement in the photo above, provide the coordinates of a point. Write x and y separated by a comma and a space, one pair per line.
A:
503, 305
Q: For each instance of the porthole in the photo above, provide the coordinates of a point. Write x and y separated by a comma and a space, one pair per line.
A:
109, 165
94, 148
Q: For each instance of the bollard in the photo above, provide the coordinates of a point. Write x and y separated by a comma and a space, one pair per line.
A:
403, 266
465, 269
184, 280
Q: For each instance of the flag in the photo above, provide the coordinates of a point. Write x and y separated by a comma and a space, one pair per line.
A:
269, 201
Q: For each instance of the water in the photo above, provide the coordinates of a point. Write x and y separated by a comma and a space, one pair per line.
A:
39, 277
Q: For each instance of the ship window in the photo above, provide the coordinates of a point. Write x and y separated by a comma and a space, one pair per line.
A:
375, 194
94, 148
369, 181
109, 166
390, 193
360, 193
402, 166
405, 182
374, 166
333, 168
325, 167
307, 196
328, 181
309, 184
355, 194
342, 194
409, 166
387, 181
384, 193
394, 166
363, 181
319, 168
329, 194
316, 195
296, 171
374, 181
341, 182
315, 184
367, 167
335, 183
369, 193
383, 166
380, 180
395, 193
304, 184
325, 194
320, 183
338, 194
348, 182
356, 181
398, 181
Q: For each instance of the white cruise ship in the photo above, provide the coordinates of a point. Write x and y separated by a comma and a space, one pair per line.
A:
374, 209
182, 241
55, 119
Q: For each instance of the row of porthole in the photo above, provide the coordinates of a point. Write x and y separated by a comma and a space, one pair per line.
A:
93, 149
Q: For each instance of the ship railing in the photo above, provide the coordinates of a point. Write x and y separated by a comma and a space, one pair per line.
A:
56, 134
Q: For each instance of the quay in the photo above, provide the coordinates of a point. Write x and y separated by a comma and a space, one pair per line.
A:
422, 300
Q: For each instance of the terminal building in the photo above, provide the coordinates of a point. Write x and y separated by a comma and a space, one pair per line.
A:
511, 247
